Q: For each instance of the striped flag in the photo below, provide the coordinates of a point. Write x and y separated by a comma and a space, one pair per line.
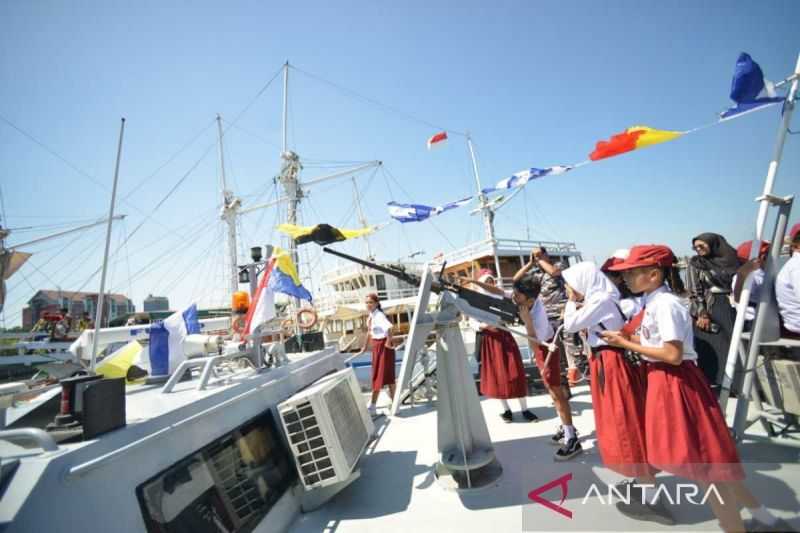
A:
524, 176
418, 212
263, 306
437, 140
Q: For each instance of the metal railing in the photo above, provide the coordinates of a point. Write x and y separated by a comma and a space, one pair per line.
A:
505, 247
351, 270
330, 301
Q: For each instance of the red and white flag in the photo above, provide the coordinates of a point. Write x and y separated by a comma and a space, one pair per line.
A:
263, 306
437, 140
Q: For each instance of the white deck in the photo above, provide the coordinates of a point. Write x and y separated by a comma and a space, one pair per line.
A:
397, 491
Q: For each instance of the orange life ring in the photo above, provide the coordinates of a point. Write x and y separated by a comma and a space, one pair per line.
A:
306, 324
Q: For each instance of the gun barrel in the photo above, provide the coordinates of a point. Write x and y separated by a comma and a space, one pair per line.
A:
405, 276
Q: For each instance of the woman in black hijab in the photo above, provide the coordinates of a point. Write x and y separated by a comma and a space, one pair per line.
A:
710, 274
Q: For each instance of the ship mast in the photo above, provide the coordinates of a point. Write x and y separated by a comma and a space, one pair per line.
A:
230, 208
294, 191
487, 211
288, 177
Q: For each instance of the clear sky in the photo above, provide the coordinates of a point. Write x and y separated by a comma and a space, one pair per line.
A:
536, 83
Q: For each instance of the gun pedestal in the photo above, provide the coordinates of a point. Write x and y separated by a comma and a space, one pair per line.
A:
466, 454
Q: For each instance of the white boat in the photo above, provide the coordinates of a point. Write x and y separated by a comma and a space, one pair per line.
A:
289, 448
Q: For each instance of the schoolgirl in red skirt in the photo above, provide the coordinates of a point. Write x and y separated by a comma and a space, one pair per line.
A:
502, 373
379, 339
685, 430
618, 387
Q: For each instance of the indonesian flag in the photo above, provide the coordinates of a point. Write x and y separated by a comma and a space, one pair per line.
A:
263, 306
437, 140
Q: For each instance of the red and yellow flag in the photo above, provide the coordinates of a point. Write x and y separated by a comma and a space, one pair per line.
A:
631, 139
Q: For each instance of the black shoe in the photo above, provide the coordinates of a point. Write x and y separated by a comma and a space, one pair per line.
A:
629, 489
644, 511
569, 450
507, 417
528, 415
661, 510
556, 439
754, 526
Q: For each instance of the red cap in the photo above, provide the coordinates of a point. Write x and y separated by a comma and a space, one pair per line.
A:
744, 249
646, 255
616, 258
794, 233
611, 261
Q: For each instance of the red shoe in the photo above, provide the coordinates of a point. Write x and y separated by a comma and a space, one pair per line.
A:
575, 376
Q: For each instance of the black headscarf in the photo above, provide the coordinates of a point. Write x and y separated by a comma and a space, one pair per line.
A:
721, 257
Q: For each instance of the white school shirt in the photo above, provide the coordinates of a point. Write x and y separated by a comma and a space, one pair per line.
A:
378, 325
631, 306
666, 319
755, 293
787, 291
541, 324
600, 308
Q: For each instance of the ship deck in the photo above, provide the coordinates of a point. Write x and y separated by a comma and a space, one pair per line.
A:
397, 490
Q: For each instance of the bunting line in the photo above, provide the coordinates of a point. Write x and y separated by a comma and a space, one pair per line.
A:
749, 91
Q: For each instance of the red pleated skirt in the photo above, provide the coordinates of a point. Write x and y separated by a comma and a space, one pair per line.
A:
686, 432
382, 365
618, 401
502, 373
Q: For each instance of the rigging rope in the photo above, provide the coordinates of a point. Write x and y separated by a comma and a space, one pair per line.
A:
439, 231
168, 161
372, 101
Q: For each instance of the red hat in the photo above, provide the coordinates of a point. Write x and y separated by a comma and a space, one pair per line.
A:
744, 249
794, 233
646, 255
616, 258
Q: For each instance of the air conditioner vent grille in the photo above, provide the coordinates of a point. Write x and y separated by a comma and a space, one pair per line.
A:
347, 421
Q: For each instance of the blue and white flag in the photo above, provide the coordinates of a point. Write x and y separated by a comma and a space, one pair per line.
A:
166, 340
418, 212
749, 89
524, 176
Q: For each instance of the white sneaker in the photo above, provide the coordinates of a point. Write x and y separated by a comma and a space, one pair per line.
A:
372, 411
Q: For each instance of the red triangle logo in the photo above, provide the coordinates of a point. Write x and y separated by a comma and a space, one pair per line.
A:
535, 495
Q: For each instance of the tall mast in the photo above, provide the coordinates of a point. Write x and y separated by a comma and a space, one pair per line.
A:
487, 212
230, 205
98, 321
288, 176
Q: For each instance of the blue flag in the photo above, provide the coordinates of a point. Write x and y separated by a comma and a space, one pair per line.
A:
418, 212
748, 88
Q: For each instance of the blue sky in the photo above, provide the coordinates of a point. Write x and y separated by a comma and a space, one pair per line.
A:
536, 83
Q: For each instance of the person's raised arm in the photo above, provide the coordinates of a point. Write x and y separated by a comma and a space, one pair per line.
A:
539, 257
525, 269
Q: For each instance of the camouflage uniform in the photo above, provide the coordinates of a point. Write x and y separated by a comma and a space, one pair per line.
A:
554, 296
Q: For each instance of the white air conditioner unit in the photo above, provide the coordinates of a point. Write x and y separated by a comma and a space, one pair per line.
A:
328, 427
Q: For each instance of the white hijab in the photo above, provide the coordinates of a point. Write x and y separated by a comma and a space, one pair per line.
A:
587, 279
